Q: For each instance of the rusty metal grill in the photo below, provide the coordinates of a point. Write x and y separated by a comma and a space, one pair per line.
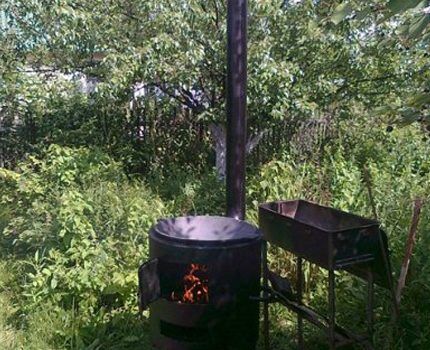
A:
333, 240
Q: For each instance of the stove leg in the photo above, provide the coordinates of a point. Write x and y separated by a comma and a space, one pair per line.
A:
370, 304
332, 309
265, 296
299, 300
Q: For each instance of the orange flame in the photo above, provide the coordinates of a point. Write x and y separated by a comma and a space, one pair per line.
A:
195, 283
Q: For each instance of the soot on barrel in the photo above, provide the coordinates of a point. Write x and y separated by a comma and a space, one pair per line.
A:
208, 270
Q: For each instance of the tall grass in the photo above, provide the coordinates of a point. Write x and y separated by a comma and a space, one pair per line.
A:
74, 230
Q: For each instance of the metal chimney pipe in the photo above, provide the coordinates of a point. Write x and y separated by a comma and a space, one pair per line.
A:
237, 11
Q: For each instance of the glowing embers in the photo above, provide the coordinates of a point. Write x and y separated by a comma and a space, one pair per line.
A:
194, 288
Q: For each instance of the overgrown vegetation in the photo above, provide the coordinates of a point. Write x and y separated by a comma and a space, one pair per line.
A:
75, 230
104, 128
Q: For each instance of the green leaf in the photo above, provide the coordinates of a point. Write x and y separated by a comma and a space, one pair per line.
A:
111, 289
264, 184
341, 12
397, 6
54, 283
47, 272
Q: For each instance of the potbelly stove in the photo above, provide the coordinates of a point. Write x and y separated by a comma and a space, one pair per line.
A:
201, 284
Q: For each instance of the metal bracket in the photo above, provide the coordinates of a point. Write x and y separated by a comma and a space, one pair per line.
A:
149, 284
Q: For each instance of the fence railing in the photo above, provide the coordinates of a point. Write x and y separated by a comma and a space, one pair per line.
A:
155, 135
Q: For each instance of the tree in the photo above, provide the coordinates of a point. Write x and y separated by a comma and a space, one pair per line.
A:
306, 59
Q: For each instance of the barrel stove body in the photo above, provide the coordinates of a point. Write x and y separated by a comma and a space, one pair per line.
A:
202, 276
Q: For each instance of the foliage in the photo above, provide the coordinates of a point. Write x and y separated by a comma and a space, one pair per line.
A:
86, 285
93, 92
411, 23
79, 229
153, 60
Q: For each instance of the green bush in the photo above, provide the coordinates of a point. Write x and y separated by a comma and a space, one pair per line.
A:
189, 192
74, 230
79, 228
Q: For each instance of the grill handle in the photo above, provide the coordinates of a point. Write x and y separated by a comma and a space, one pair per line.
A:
149, 284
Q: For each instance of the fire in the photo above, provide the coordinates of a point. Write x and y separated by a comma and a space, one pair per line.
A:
195, 286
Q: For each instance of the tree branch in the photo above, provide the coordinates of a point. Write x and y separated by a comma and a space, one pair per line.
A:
418, 203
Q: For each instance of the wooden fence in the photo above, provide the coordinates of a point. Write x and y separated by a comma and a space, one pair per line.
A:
158, 135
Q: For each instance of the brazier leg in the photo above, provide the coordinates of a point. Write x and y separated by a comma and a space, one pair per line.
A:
332, 309
265, 297
370, 303
299, 300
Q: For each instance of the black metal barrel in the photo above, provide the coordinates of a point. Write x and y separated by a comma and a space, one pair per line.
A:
230, 251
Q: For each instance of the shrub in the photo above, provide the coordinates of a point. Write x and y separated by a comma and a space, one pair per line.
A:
79, 227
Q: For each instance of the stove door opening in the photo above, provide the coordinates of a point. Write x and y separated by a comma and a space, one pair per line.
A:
185, 283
